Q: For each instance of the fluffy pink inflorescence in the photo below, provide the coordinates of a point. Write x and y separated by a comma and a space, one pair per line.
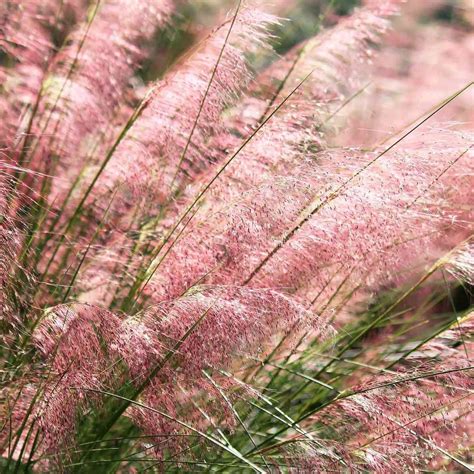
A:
214, 324
26, 37
11, 238
156, 154
26, 27
170, 144
287, 222
372, 432
326, 69
275, 157
75, 340
365, 223
409, 77
274, 160
371, 221
229, 322
5, 246
91, 74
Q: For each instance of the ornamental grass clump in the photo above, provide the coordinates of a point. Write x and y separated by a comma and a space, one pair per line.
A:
195, 273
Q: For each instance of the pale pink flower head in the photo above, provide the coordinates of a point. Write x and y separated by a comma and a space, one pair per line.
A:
104, 53
432, 384
172, 141
216, 327
11, 240
74, 340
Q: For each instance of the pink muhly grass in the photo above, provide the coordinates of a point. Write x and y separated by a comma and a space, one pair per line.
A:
90, 75
233, 322
171, 143
168, 145
399, 93
329, 63
434, 387
228, 322
26, 38
297, 129
7, 245
371, 215
11, 240
84, 88
26, 28
293, 128
183, 282
76, 340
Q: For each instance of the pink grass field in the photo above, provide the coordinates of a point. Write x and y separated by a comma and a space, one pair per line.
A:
236, 236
